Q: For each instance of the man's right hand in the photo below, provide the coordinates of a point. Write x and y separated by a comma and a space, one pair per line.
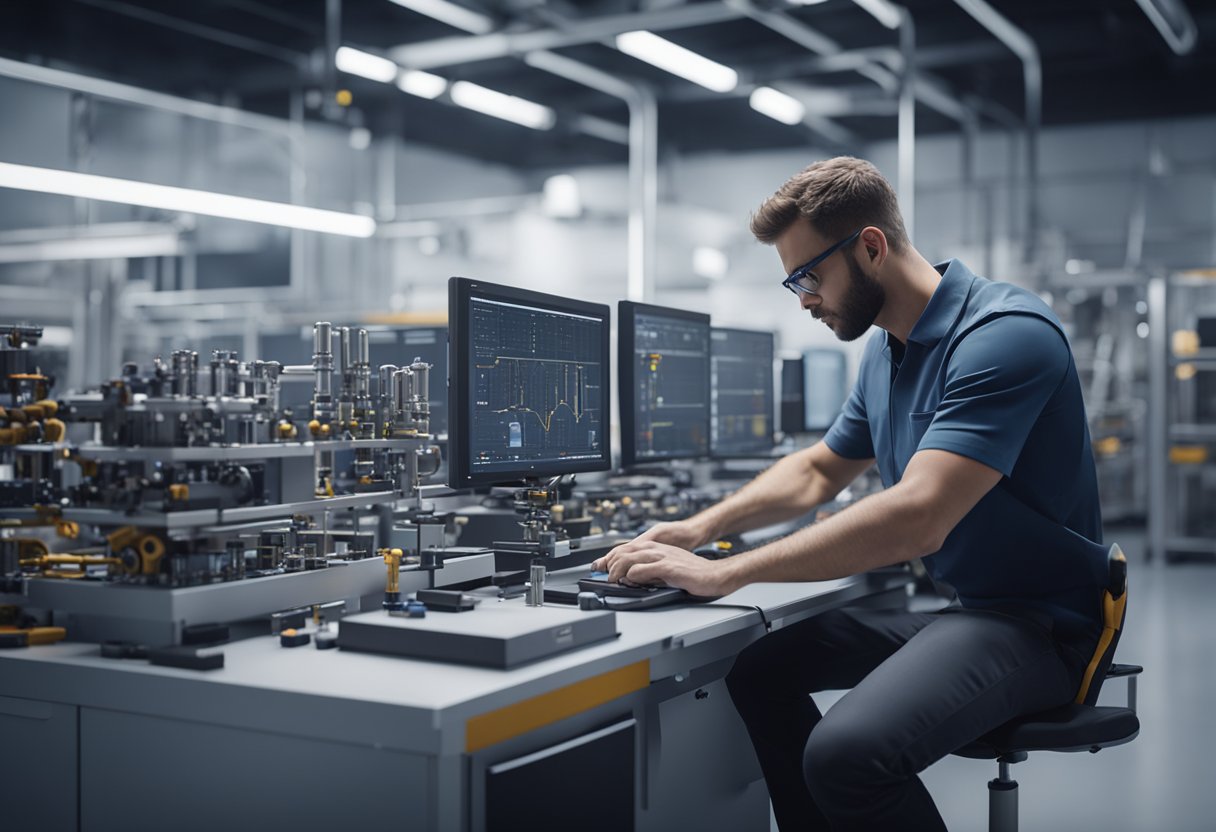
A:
684, 534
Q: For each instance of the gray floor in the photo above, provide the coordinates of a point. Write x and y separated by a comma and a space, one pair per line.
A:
1164, 779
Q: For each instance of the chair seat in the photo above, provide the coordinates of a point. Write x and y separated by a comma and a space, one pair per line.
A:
1069, 728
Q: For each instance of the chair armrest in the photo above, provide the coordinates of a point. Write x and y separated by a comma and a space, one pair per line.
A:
1117, 670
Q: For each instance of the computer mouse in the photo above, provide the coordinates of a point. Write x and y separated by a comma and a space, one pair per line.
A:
713, 551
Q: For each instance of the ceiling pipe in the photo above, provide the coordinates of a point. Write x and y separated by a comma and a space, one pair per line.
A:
1174, 23
144, 98
643, 160
1024, 48
906, 141
457, 50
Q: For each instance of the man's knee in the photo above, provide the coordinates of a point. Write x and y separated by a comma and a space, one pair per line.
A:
839, 758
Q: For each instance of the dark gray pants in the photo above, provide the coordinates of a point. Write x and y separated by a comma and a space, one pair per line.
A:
923, 685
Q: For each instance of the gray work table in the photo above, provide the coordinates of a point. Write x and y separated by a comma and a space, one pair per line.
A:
339, 699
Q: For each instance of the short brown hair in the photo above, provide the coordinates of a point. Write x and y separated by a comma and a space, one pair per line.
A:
838, 196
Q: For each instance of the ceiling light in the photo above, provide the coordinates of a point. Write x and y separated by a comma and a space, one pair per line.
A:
186, 200
884, 12
654, 50
560, 197
709, 263
457, 16
500, 105
422, 84
365, 65
777, 105
806, 2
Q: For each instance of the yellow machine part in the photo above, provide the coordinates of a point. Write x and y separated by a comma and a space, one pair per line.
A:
1188, 454
148, 548
38, 635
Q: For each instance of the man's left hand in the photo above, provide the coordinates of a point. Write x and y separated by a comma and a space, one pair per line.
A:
644, 562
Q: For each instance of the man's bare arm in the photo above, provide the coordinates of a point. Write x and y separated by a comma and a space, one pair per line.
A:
908, 520
789, 489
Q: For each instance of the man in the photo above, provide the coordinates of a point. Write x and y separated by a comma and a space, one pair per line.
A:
969, 403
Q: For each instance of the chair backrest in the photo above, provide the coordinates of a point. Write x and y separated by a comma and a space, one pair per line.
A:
1114, 610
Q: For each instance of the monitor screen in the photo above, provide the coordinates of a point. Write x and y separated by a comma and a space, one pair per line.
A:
664, 383
527, 384
386, 345
793, 405
741, 392
825, 386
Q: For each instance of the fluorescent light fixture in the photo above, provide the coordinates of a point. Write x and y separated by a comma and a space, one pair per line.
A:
806, 2
500, 105
422, 84
186, 200
777, 105
561, 198
456, 16
85, 248
656, 51
884, 12
365, 65
709, 263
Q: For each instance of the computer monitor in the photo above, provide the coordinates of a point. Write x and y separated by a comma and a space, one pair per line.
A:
398, 345
825, 387
741, 392
528, 388
663, 374
793, 402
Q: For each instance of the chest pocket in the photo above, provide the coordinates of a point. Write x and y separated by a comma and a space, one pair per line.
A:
918, 423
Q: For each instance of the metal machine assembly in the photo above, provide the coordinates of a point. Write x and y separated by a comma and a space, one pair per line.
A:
148, 480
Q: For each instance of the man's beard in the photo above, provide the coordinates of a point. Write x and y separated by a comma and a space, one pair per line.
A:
860, 305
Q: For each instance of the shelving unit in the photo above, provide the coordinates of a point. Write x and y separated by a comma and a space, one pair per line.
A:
1182, 416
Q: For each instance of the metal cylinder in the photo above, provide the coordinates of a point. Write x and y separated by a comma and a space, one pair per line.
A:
420, 405
323, 368
386, 382
345, 359
362, 370
224, 373
403, 395
233, 377
184, 365
536, 585
236, 559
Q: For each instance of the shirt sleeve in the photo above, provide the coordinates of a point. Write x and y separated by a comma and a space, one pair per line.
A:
849, 435
998, 380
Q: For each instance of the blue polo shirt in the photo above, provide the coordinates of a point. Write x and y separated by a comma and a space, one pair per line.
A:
987, 373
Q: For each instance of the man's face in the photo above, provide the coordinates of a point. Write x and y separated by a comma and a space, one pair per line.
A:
849, 299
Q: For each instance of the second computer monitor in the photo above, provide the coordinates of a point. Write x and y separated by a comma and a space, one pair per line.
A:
741, 381
527, 384
664, 382
825, 387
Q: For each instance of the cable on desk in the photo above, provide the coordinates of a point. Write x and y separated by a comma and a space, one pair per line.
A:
768, 625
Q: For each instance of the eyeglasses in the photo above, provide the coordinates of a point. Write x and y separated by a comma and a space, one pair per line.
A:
803, 280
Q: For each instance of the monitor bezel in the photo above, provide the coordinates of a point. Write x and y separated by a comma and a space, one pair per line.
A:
627, 311
759, 453
461, 290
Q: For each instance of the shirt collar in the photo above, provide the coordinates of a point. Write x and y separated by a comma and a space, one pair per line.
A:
945, 305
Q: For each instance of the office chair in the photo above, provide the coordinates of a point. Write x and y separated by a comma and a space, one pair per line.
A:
1082, 725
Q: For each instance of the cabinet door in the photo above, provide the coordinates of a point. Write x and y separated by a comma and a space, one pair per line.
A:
151, 773
585, 783
38, 765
